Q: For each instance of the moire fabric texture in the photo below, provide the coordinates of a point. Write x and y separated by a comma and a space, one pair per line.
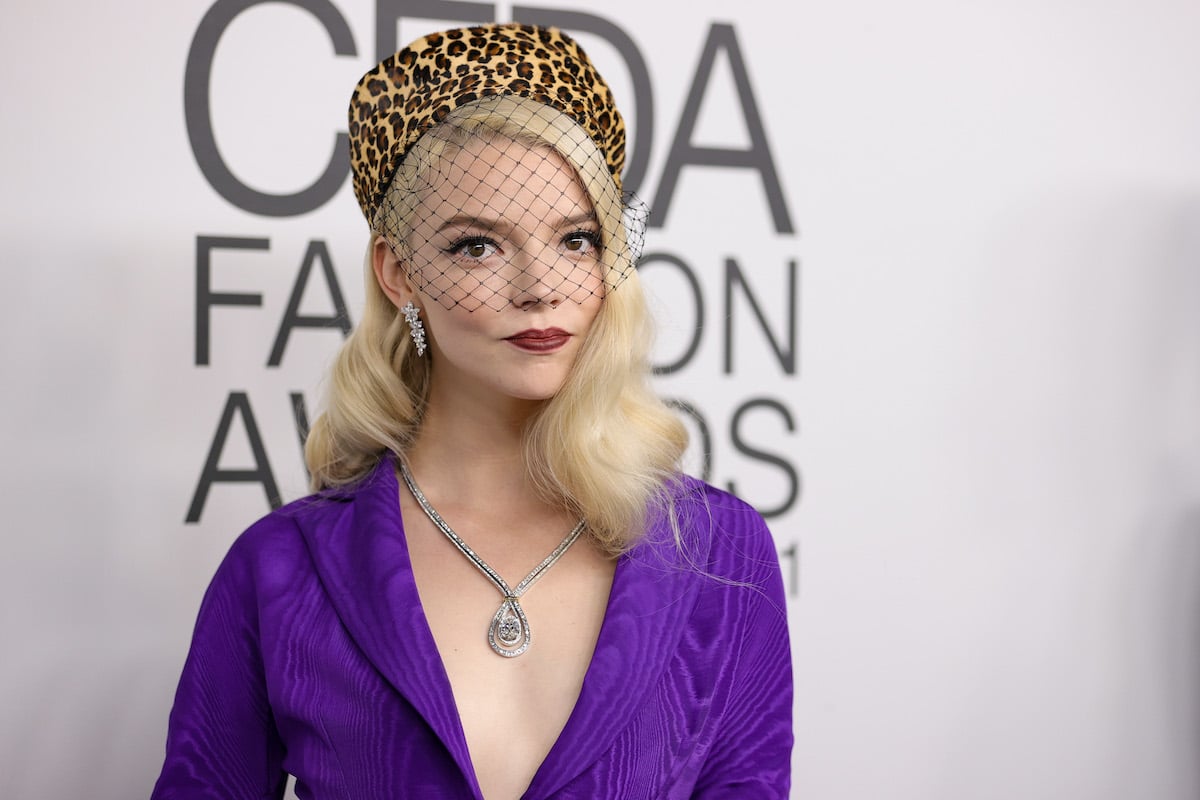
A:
312, 657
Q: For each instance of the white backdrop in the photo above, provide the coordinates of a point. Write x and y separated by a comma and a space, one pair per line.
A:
973, 416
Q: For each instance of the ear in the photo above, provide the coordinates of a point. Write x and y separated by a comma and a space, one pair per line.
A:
390, 273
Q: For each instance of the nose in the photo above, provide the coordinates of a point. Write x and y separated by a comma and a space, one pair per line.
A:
539, 278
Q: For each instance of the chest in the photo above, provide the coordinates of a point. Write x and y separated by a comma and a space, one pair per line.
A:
362, 703
512, 710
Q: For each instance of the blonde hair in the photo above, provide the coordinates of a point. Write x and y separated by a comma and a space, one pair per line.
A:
605, 446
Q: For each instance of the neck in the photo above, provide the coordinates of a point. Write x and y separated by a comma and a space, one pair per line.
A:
473, 445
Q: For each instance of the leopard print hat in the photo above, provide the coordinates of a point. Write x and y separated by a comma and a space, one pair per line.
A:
413, 90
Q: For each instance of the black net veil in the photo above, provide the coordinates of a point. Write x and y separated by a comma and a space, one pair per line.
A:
509, 202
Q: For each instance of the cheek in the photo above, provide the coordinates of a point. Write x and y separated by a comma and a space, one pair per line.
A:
592, 307
477, 289
586, 284
444, 288
452, 328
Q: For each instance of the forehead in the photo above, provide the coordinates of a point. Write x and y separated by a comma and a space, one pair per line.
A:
494, 176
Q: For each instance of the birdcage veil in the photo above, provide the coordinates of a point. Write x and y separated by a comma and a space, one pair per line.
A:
489, 159
506, 198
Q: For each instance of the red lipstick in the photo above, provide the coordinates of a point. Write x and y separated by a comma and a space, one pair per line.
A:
536, 340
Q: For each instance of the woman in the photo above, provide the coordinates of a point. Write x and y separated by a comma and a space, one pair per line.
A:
489, 426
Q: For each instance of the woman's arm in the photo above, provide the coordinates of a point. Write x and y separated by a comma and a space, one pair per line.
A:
751, 755
221, 739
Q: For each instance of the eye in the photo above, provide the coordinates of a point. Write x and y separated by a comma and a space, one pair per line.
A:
473, 247
580, 241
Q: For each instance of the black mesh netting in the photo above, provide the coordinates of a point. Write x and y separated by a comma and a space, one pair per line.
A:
507, 202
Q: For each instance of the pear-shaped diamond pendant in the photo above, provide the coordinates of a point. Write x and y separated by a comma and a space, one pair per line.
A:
509, 633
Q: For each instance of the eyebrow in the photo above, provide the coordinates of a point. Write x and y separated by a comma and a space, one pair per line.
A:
467, 221
503, 226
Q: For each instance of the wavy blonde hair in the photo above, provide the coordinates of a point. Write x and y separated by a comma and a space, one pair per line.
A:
605, 446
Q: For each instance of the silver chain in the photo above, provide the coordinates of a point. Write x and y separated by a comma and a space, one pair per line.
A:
509, 634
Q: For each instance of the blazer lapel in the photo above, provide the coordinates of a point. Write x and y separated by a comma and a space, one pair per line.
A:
363, 563
652, 597
364, 566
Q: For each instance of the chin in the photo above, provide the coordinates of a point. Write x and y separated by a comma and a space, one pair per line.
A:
535, 394
534, 397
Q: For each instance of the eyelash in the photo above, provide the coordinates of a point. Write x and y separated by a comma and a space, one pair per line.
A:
467, 241
592, 238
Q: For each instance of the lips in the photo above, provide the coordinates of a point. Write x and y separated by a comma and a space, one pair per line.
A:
535, 340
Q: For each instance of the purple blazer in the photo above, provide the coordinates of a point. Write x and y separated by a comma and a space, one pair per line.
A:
312, 656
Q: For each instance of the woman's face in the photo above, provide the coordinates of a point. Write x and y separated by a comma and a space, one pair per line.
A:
504, 262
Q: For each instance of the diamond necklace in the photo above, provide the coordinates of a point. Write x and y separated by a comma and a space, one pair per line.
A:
509, 634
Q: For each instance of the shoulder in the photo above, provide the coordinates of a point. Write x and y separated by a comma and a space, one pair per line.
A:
276, 548
312, 516
717, 505
319, 526
282, 529
717, 539
731, 533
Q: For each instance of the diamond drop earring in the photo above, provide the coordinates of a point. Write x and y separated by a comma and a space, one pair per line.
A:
412, 315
